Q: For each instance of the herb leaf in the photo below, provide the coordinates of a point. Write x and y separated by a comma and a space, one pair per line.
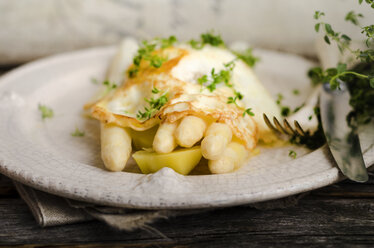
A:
109, 86
249, 112
332, 75
247, 57
238, 96
207, 38
154, 105
285, 111
146, 52
77, 133
369, 32
371, 2
318, 14
353, 17
45, 111
292, 154
168, 42
223, 76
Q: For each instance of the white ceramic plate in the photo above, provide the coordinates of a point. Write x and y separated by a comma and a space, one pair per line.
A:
44, 155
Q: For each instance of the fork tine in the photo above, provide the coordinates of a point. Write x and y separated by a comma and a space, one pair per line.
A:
288, 127
268, 123
279, 126
299, 130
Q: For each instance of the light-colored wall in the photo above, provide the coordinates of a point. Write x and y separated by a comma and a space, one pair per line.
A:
36, 28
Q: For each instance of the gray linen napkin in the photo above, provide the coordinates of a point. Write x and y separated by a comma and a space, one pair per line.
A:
51, 210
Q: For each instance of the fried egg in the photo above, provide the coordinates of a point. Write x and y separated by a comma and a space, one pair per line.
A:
177, 78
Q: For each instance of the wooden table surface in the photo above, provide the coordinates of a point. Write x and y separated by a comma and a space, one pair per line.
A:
340, 215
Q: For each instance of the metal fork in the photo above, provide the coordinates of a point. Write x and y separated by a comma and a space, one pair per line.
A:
286, 128
300, 119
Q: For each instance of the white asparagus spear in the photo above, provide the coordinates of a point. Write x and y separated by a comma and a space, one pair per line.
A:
190, 130
217, 136
116, 141
115, 146
231, 159
164, 141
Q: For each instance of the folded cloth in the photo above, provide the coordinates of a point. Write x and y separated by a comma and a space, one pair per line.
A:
51, 210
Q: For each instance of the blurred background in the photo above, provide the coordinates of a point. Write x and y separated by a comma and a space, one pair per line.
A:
32, 29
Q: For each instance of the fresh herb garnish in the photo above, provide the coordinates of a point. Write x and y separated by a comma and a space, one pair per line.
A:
77, 133
311, 140
202, 80
249, 112
298, 108
247, 57
371, 2
94, 81
109, 85
154, 105
285, 111
362, 96
342, 40
212, 39
279, 99
292, 154
352, 17
45, 111
215, 40
223, 76
167, 42
332, 75
146, 52
296, 92
237, 96
207, 38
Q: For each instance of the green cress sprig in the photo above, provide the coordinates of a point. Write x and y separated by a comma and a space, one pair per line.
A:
247, 57
45, 111
215, 40
109, 86
223, 76
292, 154
237, 96
249, 112
154, 105
145, 52
207, 38
77, 133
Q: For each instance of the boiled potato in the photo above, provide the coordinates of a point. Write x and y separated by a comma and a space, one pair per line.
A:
182, 160
143, 139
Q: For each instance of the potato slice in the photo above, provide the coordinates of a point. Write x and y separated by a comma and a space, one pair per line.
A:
182, 160
143, 139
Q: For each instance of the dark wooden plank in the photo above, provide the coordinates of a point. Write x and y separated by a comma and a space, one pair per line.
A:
347, 190
6, 187
337, 215
316, 220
